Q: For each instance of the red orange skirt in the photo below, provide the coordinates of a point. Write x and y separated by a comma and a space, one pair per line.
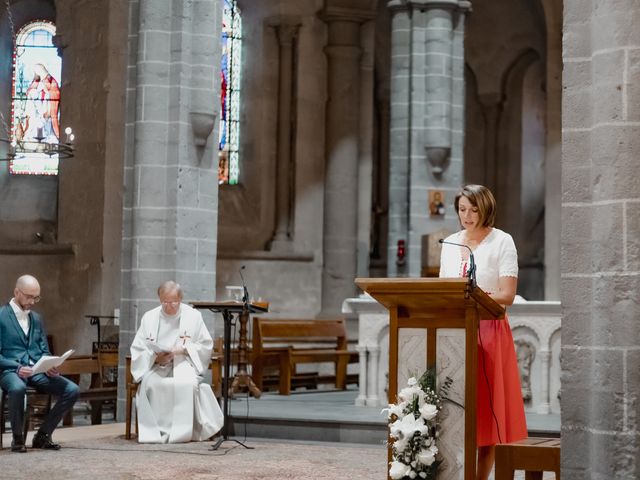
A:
498, 386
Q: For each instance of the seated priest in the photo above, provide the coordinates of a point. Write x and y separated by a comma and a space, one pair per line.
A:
169, 353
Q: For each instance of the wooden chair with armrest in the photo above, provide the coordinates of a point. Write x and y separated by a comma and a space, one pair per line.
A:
217, 359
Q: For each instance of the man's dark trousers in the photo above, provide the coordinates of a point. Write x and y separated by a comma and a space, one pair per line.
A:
60, 387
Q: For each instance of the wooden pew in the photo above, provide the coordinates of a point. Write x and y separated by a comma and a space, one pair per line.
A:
276, 343
99, 390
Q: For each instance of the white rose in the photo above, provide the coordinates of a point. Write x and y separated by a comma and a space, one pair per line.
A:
407, 393
426, 457
412, 381
394, 428
412, 474
400, 444
394, 409
398, 470
428, 411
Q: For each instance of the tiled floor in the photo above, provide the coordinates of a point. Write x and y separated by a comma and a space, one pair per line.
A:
101, 451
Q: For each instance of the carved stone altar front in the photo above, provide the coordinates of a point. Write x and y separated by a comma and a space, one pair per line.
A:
536, 333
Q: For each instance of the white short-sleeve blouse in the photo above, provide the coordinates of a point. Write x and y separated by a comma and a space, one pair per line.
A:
495, 257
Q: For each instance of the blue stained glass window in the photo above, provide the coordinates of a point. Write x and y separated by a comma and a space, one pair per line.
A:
35, 105
229, 141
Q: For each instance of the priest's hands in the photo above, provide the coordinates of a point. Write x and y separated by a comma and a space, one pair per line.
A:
164, 358
180, 350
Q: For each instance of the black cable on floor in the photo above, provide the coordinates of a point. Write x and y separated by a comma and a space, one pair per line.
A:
140, 450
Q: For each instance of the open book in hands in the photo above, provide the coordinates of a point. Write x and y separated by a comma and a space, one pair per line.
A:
47, 362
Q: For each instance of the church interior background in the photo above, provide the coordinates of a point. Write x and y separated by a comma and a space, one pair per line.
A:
304, 140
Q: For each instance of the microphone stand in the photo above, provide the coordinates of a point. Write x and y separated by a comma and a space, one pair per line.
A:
471, 273
227, 391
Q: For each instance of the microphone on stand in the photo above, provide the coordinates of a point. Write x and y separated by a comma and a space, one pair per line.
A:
471, 273
245, 292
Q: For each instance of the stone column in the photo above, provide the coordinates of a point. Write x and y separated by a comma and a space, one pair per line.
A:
361, 399
373, 374
600, 261
544, 407
365, 147
170, 203
341, 169
553, 160
427, 121
286, 32
400, 134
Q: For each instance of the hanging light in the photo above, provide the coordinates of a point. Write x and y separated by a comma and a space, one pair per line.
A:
18, 149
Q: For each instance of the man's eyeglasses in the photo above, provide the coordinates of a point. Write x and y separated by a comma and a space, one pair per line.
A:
35, 298
173, 304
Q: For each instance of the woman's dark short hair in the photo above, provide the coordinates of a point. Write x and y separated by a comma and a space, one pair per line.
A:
480, 197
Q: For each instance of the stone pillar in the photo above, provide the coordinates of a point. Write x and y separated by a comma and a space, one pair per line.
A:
286, 32
600, 261
341, 169
399, 134
373, 377
544, 408
365, 148
170, 203
427, 121
553, 160
361, 399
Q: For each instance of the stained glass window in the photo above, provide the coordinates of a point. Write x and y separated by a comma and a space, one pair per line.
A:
228, 146
35, 105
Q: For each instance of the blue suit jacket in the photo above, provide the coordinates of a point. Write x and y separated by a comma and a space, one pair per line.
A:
16, 348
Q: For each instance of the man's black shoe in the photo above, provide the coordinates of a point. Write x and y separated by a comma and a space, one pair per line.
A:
43, 440
18, 446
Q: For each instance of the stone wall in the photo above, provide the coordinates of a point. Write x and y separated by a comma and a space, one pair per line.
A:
319, 55
78, 212
506, 127
600, 255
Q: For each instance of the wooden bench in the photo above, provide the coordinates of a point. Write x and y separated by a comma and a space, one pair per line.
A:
275, 344
533, 455
100, 390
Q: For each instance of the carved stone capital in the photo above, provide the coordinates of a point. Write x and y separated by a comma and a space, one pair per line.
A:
398, 5
286, 27
340, 14
450, 4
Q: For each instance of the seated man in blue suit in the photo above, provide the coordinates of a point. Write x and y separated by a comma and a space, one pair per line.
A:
22, 342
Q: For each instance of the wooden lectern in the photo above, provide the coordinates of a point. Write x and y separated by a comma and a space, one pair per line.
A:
432, 304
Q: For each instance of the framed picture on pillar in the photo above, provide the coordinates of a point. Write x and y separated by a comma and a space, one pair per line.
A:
436, 203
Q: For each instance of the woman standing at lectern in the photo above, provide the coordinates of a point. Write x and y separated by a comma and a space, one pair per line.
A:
500, 409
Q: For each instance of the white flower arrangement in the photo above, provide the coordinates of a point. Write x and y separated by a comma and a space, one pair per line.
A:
414, 430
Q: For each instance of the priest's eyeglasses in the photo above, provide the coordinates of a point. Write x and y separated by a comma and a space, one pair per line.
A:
173, 304
35, 298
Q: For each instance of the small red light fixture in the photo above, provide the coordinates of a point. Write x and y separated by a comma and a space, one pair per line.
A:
401, 252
